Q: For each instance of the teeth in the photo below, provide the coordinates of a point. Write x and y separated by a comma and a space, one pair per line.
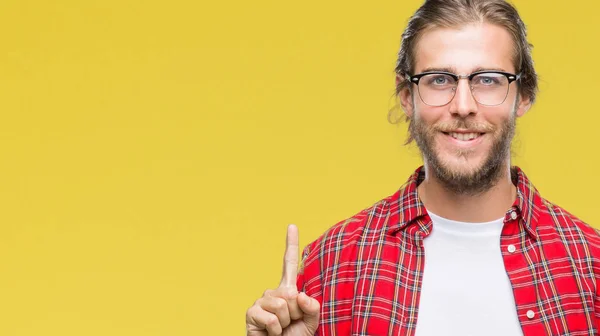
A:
464, 136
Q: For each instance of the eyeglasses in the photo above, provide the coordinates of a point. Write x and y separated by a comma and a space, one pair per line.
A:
488, 88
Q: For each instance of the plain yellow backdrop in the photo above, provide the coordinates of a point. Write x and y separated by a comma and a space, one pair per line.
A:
153, 152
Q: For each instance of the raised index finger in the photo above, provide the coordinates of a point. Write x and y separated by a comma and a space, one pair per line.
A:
290, 259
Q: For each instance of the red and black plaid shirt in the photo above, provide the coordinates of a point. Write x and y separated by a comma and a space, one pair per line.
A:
367, 270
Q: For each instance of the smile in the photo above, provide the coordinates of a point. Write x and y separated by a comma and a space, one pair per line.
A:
463, 139
464, 136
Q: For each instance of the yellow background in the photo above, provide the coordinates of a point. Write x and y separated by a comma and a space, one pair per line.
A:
153, 152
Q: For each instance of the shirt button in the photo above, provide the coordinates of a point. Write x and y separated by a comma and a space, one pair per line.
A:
530, 314
511, 248
513, 215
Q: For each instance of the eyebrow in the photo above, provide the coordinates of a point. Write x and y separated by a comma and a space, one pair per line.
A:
453, 70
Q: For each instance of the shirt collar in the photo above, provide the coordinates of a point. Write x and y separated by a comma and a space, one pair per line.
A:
406, 206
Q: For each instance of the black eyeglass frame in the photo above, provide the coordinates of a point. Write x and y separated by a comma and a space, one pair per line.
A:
509, 76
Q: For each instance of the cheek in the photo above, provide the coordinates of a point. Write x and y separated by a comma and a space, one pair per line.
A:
512, 99
428, 114
500, 115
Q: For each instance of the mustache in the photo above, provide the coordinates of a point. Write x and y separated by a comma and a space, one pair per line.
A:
472, 126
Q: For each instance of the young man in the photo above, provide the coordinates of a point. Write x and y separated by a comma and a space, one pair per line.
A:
467, 246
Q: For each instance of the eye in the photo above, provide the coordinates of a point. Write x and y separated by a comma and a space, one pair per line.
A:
438, 80
488, 79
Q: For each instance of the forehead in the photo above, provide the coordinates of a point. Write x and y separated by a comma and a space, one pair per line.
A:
465, 49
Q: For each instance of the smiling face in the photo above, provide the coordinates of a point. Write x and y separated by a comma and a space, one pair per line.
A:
466, 145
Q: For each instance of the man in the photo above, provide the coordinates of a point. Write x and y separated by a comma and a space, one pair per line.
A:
467, 246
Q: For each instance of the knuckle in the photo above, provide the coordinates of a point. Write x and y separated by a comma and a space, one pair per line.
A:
272, 321
280, 304
251, 314
289, 293
252, 311
279, 293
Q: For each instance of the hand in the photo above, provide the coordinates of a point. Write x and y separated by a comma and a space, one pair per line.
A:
284, 311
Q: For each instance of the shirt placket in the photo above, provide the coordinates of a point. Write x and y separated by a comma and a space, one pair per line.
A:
520, 255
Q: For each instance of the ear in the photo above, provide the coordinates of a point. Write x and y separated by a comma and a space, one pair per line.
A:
406, 99
523, 106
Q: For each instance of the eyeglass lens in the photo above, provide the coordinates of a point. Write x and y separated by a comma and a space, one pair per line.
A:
487, 88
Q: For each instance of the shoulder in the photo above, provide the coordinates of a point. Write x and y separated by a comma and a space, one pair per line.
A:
572, 230
370, 222
341, 239
351, 230
553, 224
332, 257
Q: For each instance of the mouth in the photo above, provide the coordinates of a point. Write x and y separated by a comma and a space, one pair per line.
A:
463, 136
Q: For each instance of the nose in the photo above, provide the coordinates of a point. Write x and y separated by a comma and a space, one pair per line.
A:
463, 104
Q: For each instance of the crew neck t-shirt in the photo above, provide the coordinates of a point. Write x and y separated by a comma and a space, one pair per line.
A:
465, 289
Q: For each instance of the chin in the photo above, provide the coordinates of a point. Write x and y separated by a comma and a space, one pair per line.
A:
464, 165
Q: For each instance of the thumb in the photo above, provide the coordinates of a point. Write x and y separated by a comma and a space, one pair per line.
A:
311, 308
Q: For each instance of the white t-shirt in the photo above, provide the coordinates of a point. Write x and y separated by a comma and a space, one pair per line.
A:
465, 289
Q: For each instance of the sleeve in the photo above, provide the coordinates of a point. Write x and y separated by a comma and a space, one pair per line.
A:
309, 276
595, 249
309, 272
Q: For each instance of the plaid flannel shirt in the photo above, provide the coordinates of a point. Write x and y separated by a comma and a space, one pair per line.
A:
367, 271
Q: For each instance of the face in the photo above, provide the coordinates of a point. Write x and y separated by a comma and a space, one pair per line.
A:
466, 145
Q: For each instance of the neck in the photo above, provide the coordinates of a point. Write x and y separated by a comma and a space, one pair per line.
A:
483, 207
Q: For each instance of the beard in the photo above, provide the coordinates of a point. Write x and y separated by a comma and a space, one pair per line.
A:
469, 181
